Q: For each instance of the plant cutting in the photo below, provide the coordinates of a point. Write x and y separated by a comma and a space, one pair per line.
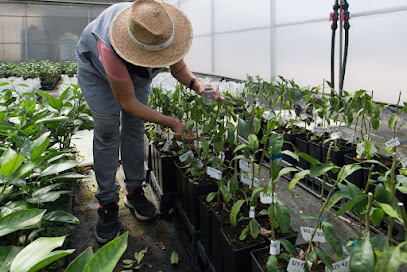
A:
322, 228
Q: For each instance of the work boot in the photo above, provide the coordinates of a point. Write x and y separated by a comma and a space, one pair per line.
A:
107, 227
142, 207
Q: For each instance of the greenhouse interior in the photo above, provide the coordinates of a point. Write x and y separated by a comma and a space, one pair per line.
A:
186, 135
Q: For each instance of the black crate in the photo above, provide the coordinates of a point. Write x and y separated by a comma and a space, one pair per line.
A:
203, 263
165, 200
187, 233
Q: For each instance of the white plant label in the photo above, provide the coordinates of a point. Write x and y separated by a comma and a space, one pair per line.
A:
222, 156
252, 212
167, 145
267, 115
404, 162
336, 135
214, 173
393, 142
275, 247
297, 265
307, 233
185, 156
244, 166
304, 116
267, 199
200, 164
342, 266
361, 149
288, 117
317, 130
248, 180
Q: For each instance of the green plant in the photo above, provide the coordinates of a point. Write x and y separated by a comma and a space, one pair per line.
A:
136, 264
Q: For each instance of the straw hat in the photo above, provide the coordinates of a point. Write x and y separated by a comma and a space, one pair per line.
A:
151, 34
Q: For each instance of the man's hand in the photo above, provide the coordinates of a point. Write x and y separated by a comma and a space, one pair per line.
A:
203, 85
178, 128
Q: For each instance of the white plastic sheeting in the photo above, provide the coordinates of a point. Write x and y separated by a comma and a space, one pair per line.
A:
292, 38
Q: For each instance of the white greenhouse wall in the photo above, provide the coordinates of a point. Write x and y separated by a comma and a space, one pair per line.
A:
292, 38
234, 38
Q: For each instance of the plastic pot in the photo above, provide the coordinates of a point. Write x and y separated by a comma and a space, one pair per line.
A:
237, 258
205, 224
302, 145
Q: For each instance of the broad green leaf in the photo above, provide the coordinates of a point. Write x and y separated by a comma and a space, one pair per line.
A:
140, 255
309, 159
276, 142
297, 177
80, 262
61, 216
6, 193
243, 128
7, 255
291, 154
106, 258
46, 189
349, 205
389, 260
25, 169
376, 216
348, 170
59, 167
35, 252
390, 211
379, 242
333, 240
239, 147
253, 142
283, 216
392, 121
33, 149
24, 219
254, 228
205, 146
14, 206
174, 257
324, 258
288, 246
52, 257
334, 199
235, 211
381, 194
58, 119
272, 264
257, 125
375, 122
8, 168
320, 169
211, 196
234, 184
362, 257
69, 176
225, 193
7, 156
47, 197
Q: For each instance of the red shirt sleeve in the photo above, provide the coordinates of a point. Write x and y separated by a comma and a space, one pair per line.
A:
114, 67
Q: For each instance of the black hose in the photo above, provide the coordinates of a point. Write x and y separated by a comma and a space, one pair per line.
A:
345, 58
334, 26
346, 26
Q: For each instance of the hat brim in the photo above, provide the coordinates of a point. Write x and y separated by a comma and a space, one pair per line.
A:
132, 53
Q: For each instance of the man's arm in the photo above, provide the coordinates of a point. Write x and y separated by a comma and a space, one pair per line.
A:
123, 91
181, 72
